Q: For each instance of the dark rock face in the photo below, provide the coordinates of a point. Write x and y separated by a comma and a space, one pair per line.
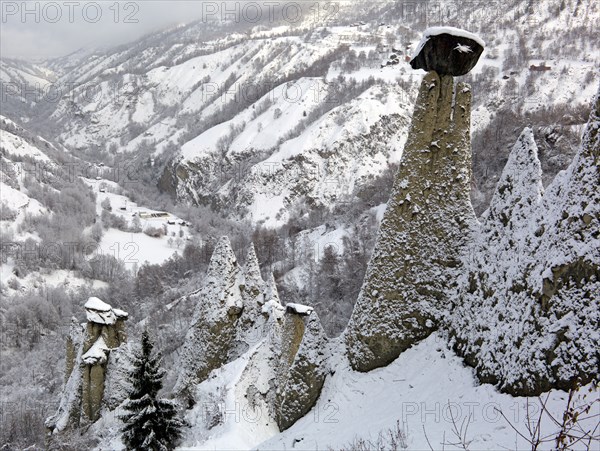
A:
448, 54
426, 227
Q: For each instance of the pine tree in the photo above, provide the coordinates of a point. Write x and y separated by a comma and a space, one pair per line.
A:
152, 423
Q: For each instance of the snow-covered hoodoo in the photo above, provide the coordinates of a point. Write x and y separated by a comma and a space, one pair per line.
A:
518, 292
218, 308
239, 313
526, 313
89, 349
306, 375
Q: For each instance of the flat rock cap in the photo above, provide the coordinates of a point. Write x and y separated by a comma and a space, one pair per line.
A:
448, 51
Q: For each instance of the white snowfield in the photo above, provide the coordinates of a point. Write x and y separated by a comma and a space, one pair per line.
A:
427, 391
17, 200
17, 146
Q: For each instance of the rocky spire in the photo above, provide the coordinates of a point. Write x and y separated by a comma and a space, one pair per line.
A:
305, 378
519, 189
252, 274
505, 224
249, 330
566, 276
272, 294
89, 352
423, 232
218, 306
254, 288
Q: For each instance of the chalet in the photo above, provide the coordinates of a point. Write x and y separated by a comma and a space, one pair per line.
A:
541, 68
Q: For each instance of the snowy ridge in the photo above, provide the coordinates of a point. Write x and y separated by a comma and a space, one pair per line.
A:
529, 317
219, 304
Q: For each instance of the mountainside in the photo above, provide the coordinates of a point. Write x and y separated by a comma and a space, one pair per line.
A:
203, 89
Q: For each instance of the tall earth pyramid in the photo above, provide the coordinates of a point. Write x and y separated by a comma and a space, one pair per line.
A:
424, 231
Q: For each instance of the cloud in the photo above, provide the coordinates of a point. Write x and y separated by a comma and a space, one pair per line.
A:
44, 29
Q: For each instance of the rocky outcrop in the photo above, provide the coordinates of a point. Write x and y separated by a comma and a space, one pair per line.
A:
330, 160
89, 350
517, 292
258, 384
306, 375
525, 313
448, 51
218, 308
240, 316
286, 373
249, 330
425, 229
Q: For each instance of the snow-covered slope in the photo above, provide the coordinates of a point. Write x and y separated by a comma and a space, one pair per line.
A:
428, 394
335, 155
426, 398
26, 87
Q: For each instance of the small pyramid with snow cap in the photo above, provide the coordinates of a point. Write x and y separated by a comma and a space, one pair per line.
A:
518, 192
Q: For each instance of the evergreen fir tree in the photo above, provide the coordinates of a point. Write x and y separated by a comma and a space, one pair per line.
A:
152, 423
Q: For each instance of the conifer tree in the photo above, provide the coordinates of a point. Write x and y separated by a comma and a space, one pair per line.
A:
151, 422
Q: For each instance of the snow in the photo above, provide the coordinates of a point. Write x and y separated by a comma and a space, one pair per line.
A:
136, 248
463, 48
59, 277
97, 354
98, 311
263, 131
530, 242
273, 307
120, 313
242, 427
424, 389
17, 200
421, 389
17, 146
95, 303
266, 208
299, 309
379, 211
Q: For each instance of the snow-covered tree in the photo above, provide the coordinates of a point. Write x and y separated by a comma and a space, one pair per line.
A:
151, 423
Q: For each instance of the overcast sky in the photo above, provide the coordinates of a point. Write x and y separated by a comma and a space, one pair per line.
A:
41, 29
